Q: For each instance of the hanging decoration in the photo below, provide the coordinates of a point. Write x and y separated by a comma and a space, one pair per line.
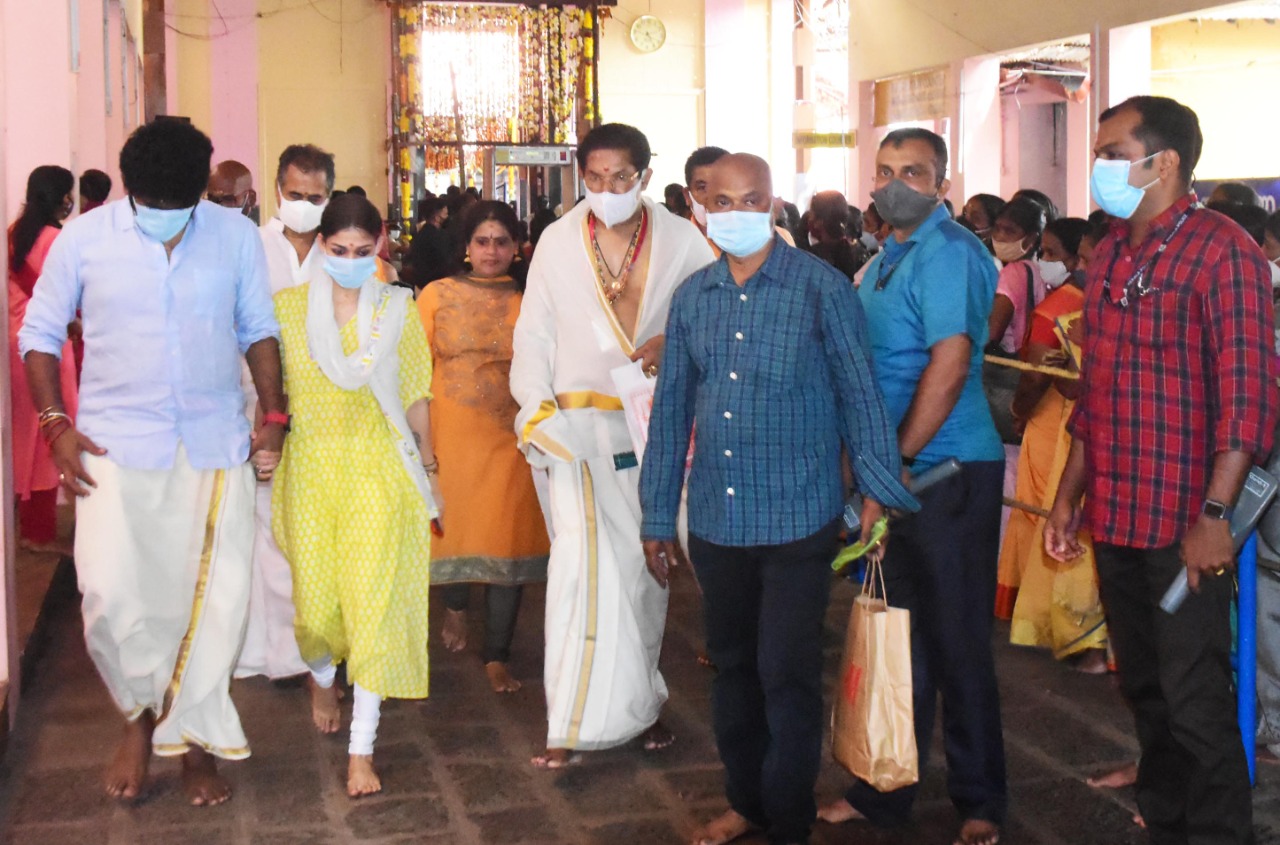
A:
470, 75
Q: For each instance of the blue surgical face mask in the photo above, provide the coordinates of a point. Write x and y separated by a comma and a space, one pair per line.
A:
350, 272
161, 224
740, 233
1110, 186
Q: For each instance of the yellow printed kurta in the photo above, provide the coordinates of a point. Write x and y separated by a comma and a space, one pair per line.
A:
349, 519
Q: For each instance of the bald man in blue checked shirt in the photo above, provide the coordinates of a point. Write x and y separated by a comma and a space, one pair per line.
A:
768, 349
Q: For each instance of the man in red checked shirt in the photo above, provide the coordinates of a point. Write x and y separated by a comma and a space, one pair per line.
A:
1177, 400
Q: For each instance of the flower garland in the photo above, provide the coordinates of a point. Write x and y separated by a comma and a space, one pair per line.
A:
519, 74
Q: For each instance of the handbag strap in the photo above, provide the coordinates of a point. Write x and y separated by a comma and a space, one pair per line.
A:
875, 572
1031, 306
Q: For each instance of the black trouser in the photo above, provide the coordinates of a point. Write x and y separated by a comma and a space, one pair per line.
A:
764, 607
1175, 672
941, 565
502, 603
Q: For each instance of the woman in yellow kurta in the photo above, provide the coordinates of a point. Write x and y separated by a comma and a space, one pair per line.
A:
354, 498
498, 536
1051, 604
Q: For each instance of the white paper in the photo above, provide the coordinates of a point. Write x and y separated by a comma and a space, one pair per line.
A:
635, 389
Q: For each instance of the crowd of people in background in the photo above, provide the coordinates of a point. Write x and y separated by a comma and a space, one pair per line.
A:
301, 401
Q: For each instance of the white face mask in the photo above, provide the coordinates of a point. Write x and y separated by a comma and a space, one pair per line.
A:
1054, 273
612, 209
699, 211
300, 216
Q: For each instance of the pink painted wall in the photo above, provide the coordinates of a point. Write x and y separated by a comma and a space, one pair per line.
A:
62, 118
234, 91
39, 91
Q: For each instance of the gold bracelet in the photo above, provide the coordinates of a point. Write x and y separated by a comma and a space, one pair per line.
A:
432, 468
51, 415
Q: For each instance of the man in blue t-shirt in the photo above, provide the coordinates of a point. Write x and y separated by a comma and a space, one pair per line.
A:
927, 296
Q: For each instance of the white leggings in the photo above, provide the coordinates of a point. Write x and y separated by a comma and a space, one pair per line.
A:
366, 709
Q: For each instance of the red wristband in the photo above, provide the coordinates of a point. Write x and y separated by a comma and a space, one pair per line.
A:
277, 418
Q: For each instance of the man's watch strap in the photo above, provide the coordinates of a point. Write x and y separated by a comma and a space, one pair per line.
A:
1216, 510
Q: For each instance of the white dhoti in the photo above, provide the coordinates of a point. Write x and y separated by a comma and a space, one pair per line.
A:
163, 561
605, 612
270, 645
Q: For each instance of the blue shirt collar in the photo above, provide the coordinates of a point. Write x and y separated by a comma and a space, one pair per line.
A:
771, 268
892, 246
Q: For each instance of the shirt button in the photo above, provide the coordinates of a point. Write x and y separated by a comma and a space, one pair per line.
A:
728, 415
729, 491
743, 297
733, 376
738, 335
728, 453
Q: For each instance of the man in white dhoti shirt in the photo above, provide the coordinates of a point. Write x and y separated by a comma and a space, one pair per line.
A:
304, 181
598, 292
172, 292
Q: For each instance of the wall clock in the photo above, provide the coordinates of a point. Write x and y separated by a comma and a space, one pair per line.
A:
648, 33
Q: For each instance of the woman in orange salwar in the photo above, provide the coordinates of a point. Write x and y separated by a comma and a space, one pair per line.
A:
1052, 605
496, 533
35, 479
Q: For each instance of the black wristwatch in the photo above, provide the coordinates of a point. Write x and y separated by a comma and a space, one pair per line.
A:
1216, 510
907, 462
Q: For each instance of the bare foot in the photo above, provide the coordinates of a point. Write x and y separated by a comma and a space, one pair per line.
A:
499, 678
1093, 662
555, 758
201, 781
362, 778
658, 737
978, 832
127, 774
722, 829
839, 812
1126, 775
454, 632
324, 707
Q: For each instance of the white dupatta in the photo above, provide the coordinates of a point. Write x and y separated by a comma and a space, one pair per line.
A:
380, 316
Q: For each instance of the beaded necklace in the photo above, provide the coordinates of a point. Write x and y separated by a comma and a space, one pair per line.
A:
615, 283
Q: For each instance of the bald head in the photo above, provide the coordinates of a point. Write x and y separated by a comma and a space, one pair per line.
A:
740, 182
231, 186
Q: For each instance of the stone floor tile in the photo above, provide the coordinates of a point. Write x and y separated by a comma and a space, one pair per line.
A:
372, 818
522, 825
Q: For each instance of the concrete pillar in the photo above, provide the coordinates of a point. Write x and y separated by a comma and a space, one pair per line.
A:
976, 132
155, 75
8, 532
738, 76
1128, 66
1079, 158
862, 172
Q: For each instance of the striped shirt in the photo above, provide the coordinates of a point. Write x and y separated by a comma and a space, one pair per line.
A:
778, 376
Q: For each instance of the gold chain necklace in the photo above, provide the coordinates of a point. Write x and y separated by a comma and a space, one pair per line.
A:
616, 283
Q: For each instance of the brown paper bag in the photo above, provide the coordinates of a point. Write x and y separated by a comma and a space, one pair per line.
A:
873, 724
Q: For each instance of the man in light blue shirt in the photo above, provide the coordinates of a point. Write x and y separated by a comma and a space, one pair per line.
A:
171, 291
927, 296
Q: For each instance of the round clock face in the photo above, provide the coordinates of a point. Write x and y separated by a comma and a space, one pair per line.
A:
648, 33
